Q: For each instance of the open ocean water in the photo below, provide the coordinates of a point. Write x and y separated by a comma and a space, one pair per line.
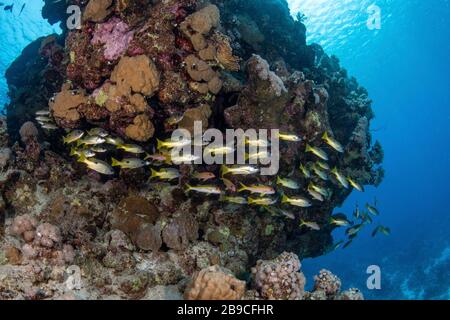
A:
405, 66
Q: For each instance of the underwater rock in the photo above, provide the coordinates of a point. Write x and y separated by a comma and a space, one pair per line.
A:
327, 282
215, 283
280, 279
28, 131
182, 229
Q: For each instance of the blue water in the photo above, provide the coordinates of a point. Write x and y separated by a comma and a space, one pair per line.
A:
405, 66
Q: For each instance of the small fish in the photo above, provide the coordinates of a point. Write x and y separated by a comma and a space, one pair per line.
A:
332, 143
175, 119
165, 174
347, 244
157, 157
129, 163
287, 214
97, 165
230, 186
188, 158
317, 196
21, 9
98, 132
305, 171
90, 141
115, 141
354, 230
298, 201
99, 149
288, 183
85, 152
73, 136
356, 213
204, 189
257, 142
355, 184
372, 210
42, 113
49, 126
337, 245
262, 155
318, 189
323, 165
239, 170
43, 119
381, 229
317, 151
131, 148
311, 225
262, 201
170, 144
219, 150
366, 218
289, 137
340, 178
235, 200
265, 190
339, 222
9, 8
320, 173
204, 176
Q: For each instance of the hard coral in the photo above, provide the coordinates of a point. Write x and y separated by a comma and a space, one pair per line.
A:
28, 131
142, 129
64, 106
97, 10
327, 282
199, 24
215, 283
280, 279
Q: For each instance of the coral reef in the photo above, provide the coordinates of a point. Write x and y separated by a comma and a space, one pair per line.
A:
139, 70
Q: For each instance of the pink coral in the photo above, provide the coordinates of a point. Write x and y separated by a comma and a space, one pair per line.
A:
115, 35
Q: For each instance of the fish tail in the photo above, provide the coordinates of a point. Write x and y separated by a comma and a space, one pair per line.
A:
302, 222
82, 158
335, 171
278, 180
251, 200
115, 162
154, 173
242, 188
72, 152
159, 144
65, 140
79, 143
224, 170
188, 187
308, 148
284, 199
325, 136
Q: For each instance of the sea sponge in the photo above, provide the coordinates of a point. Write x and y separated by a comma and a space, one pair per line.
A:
64, 105
136, 74
97, 10
47, 235
142, 128
24, 226
215, 283
28, 131
280, 279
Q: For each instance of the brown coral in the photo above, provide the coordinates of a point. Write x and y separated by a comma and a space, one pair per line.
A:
64, 106
28, 131
142, 129
215, 283
201, 113
97, 10
199, 24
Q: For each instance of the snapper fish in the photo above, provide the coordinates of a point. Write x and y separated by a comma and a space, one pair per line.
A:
262, 201
42, 113
90, 141
73, 136
340, 178
165, 174
323, 165
261, 155
204, 176
129, 163
312, 225
85, 152
187, 158
229, 185
98, 132
170, 144
98, 149
235, 200
297, 201
97, 165
289, 137
320, 173
355, 184
353, 231
257, 142
44, 119
239, 170
211, 189
305, 171
317, 151
318, 189
49, 126
288, 183
332, 143
219, 150
316, 196
115, 141
339, 222
381, 229
261, 189
372, 210
131, 148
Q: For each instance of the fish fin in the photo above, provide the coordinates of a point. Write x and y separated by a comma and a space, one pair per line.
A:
72, 152
82, 158
224, 170
308, 148
154, 173
188, 187
284, 199
278, 180
325, 136
242, 188
335, 171
115, 162
251, 200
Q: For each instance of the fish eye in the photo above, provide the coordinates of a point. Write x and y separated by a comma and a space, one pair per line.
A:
74, 92
52, 99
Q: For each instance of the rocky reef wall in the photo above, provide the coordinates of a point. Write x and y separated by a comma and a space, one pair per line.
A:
133, 67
